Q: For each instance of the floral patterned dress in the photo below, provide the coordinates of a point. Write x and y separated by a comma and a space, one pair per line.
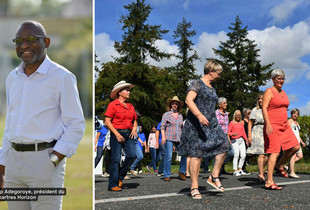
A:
257, 146
201, 141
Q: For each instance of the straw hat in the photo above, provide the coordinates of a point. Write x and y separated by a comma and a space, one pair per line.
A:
120, 85
175, 98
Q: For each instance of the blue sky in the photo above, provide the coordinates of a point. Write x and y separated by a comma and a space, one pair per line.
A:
280, 28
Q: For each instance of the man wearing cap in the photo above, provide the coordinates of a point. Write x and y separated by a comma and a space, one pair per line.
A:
44, 122
121, 119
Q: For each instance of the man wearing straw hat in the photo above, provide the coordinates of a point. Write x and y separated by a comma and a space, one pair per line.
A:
121, 119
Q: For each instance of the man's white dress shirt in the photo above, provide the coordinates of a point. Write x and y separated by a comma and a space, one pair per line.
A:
43, 107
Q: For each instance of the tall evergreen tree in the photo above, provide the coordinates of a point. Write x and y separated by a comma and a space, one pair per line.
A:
153, 84
243, 73
139, 37
185, 70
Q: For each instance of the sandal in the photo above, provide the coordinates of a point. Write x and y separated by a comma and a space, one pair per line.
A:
195, 193
213, 184
294, 176
273, 186
260, 179
282, 172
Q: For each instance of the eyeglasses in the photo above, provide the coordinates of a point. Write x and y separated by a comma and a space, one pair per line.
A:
30, 39
280, 79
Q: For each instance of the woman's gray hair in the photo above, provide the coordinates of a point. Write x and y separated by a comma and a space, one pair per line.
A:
221, 100
246, 110
277, 72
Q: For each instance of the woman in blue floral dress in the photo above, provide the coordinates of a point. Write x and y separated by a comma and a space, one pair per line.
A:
202, 135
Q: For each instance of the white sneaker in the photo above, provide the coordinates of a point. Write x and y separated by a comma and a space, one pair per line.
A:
140, 172
105, 175
237, 173
244, 173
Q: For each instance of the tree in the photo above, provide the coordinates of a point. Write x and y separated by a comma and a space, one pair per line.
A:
243, 73
153, 84
139, 37
185, 70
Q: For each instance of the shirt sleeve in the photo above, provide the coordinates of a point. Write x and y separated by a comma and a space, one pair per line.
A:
244, 133
253, 114
110, 111
230, 128
5, 142
72, 117
164, 122
195, 86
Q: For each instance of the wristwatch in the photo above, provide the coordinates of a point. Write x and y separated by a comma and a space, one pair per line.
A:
54, 159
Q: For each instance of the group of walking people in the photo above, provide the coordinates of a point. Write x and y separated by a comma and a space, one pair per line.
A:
206, 132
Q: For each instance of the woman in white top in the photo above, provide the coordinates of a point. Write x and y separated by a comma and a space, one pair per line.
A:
298, 155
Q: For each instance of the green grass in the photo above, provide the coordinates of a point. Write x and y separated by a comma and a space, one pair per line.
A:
78, 178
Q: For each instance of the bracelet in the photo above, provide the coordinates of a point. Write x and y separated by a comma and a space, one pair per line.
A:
198, 114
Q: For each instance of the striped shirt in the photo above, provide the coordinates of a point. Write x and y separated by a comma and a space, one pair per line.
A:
172, 126
223, 120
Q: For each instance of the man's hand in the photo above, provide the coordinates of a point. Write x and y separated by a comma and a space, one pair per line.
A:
2, 170
59, 155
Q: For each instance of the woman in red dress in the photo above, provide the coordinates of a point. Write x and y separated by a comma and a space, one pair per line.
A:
277, 132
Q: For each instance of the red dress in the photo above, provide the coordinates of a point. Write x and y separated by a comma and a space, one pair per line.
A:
282, 135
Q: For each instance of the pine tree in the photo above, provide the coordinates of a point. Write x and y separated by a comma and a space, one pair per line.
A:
153, 84
139, 37
185, 70
243, 73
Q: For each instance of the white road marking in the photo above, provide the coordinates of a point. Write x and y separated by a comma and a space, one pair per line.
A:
109, 200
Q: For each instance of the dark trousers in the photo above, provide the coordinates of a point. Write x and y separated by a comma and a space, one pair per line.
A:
117, 172
107, 158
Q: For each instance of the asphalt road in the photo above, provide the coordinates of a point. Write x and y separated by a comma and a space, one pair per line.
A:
150, 192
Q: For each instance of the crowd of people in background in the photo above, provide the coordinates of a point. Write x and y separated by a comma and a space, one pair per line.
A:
205, 134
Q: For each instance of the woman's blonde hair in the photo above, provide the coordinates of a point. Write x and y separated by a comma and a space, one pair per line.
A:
234, 116
212, 65
257, 103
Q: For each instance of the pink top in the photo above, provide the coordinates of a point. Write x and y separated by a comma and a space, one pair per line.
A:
152, 140
237, 128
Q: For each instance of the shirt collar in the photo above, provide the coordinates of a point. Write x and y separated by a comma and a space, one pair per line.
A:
219, 111
43, 68
117, 102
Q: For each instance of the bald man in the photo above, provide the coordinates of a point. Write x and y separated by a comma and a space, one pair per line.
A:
44, 122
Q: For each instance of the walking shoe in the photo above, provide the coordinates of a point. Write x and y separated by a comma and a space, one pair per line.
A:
148, 168
237, 173
244, 173
127, 177
140, 172
120, 183
105, 175
167, 179
156, 172
115, 189
133, 172
294, 176
182, 176
160, 174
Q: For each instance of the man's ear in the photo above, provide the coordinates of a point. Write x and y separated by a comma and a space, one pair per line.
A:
47, 41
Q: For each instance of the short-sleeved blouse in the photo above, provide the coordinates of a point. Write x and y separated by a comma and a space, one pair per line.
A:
201, 141
257, 146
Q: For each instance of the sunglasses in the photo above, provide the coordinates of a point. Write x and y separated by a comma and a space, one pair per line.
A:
30, 39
